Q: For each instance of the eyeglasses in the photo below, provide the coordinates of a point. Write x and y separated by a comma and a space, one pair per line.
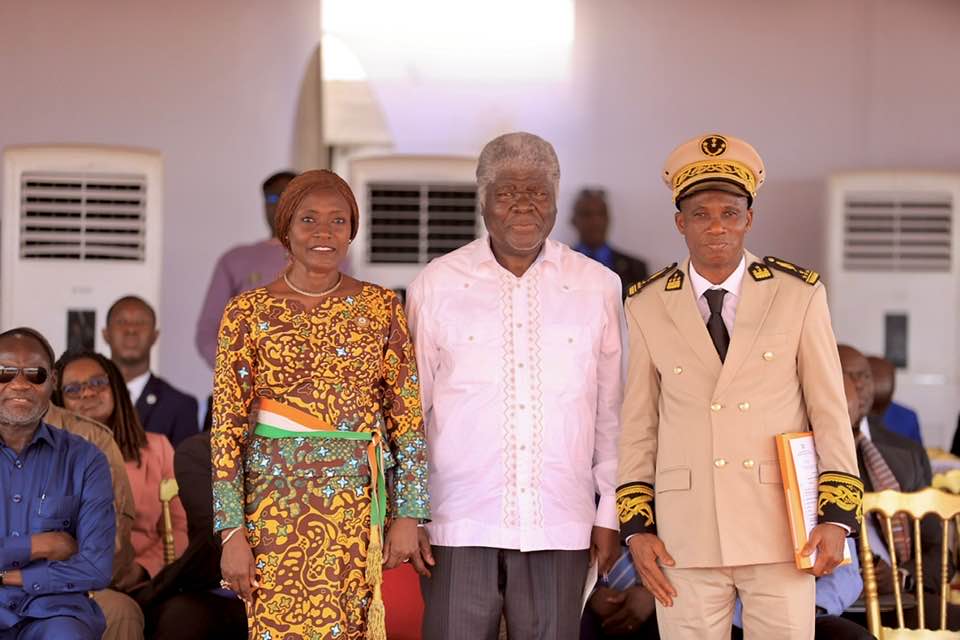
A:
272, 198
33, 375
76, 389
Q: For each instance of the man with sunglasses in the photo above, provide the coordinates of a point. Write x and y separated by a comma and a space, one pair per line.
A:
242, 268
56, 517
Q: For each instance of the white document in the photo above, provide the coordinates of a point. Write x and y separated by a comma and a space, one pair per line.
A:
808, 481
593, 575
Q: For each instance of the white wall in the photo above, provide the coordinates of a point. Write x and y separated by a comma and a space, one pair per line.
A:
213, 85
817, 86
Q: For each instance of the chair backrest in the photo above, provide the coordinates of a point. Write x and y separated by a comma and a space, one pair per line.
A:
168, 491
916, 505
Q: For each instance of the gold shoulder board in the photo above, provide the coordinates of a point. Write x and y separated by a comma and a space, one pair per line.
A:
807, 275
638, 286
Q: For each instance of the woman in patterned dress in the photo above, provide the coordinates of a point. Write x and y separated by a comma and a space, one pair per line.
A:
323, 366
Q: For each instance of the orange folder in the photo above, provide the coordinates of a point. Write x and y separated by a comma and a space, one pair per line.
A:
798, 469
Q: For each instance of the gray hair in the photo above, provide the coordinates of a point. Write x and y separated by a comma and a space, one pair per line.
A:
516, 150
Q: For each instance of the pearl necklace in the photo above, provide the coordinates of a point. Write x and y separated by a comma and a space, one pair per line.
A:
310, 294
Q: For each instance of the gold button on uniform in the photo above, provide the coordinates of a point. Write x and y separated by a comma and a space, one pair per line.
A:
748, 464
719, 462
678, 370
744, 406
716, 406
768, 355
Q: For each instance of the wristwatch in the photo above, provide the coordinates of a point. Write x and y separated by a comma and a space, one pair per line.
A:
3, 573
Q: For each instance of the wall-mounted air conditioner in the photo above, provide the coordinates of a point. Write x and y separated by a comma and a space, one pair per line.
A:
81, 227
894, 283
412, 209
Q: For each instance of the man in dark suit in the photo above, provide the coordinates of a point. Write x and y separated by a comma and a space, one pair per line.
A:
910, 467
591, 218
131, 332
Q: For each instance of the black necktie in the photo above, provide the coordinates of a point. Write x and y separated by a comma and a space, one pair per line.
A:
715, 327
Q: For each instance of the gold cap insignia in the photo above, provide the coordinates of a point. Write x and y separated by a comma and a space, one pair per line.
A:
675, 281
760, 272
713, 145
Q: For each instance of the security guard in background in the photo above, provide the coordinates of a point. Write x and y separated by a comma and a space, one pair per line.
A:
726, 351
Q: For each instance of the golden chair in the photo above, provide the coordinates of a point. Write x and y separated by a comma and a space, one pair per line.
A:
950, 481
885, 504
168, 491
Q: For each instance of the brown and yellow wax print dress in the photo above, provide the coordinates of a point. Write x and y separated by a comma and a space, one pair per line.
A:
305, 502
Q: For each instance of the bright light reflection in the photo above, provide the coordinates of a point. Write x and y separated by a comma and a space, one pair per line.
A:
456, 39
339, 61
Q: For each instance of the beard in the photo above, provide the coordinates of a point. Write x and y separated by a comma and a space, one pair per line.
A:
25, 417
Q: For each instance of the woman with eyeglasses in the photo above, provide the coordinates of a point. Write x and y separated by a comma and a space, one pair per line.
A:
315, 396
90, 384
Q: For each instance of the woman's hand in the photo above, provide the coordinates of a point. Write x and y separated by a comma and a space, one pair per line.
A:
237, 567
401, 542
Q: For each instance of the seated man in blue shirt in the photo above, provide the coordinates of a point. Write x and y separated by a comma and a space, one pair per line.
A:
56, 516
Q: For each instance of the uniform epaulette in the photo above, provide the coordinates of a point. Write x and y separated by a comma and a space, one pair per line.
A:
638, 286
807, 275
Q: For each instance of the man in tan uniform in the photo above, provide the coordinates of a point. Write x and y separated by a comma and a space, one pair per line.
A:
726, 351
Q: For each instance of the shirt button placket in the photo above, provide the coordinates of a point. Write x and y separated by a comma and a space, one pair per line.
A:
521, 346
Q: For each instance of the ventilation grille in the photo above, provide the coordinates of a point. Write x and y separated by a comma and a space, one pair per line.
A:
414, 223
889, 231
82, 216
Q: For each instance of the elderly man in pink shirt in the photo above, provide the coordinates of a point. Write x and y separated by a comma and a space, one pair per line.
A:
518, 342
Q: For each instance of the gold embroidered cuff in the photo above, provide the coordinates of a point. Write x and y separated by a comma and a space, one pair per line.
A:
635, 508
841, 499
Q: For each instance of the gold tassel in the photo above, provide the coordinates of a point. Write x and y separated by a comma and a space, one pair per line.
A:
374, 558
376, 614
377, 617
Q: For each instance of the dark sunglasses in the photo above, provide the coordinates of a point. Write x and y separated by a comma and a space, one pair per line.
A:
33, 375
76, 389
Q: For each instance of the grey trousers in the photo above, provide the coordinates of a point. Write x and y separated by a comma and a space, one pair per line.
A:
537, 592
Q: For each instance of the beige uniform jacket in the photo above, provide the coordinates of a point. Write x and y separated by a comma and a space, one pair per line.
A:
101, 436
698, 464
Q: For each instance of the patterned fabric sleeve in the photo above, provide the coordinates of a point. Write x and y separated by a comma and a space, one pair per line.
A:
404, 420
232, 396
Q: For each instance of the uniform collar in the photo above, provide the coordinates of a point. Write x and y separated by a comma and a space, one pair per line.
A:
732, 284
865, 427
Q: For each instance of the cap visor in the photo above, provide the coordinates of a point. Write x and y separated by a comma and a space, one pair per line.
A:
715, 184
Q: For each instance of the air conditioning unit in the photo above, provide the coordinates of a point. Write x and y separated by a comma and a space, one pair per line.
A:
82, 226
894, 284
412, 209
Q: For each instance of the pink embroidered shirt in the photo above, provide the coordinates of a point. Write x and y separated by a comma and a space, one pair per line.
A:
521, 385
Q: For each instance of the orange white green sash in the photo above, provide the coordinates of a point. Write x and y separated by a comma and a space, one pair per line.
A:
277, 420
